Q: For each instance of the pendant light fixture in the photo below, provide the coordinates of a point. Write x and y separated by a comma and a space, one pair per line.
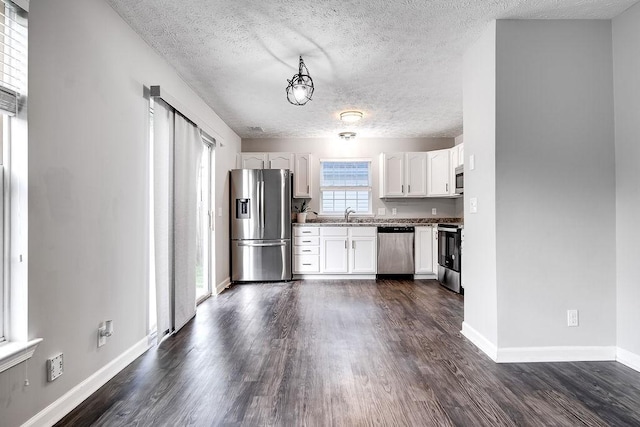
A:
300, 88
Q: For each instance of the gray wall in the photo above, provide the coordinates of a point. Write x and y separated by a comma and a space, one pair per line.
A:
88, 192
366, 148
555, 183
626, 65
479, 257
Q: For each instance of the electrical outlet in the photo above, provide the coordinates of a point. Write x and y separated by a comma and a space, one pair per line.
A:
394, 211
434, 211
572, 317
382, 211
55, 367
219, 211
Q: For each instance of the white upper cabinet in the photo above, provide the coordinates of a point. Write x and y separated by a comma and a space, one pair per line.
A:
403, 175
302, 176
438, 173
416, 174
279, 161
265, 161
392, 175
251, 160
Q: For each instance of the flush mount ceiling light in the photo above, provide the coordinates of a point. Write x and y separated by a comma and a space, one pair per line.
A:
300, 88
350, 116
347, 136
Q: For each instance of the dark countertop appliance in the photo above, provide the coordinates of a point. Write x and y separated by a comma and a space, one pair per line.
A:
450, 256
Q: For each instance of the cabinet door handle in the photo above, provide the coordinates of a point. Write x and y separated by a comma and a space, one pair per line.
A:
402, 188
306, 264
269, 164
409, 189
345, 244
446, 186
307, 189
306, 241
306, 232
306, 250
353, 244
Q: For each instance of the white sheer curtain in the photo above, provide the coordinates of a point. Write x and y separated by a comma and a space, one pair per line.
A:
163, 118
177, 150
188, 151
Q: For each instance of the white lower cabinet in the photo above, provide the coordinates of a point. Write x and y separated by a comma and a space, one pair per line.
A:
362, 256
426, 250
333, 254
306, 250
348, 250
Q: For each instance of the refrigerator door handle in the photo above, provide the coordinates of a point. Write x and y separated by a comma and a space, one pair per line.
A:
262, 244
262, 204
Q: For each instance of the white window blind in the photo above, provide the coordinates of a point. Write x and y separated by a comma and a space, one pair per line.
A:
345, 184
13, 57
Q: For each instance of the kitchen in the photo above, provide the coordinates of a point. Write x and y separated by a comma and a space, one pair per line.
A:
414, 188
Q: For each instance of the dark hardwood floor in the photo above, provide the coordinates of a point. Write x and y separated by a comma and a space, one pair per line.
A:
353, 353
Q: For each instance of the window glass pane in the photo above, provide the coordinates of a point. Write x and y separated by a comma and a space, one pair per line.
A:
344, 174
351, 175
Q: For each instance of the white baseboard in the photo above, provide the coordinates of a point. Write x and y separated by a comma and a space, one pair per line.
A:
556, 354
627, 358
223, 285
66, 403
425, 276
480, 341
334, 277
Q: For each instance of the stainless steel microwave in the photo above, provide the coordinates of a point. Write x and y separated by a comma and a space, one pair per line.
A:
460, 180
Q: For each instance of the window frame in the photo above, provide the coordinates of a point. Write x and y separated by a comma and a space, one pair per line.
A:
368, 189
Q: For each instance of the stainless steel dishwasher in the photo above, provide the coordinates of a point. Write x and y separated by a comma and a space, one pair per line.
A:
395, 251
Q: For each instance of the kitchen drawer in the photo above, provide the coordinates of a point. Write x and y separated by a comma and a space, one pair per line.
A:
334, 231
363, 231
307, 241
306, 263
306, 231
306, 250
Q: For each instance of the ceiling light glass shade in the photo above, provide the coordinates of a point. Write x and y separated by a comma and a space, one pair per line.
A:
347, 136
300, 87
350, 116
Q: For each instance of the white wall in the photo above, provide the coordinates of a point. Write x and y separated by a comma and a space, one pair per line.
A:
555, 183
367, 148
479, 257
626, 65
88, 191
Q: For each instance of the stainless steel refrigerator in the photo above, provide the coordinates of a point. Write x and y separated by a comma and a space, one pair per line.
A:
260, 225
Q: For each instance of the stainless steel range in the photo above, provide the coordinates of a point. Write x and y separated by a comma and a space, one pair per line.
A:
450, 256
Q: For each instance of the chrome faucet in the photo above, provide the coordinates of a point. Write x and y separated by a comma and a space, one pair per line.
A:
347, 212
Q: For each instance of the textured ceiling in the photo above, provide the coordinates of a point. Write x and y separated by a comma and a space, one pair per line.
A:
398, 61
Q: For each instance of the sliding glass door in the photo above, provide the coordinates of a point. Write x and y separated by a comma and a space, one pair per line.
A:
204, 224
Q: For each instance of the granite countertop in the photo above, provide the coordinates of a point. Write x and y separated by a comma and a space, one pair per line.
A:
374, 222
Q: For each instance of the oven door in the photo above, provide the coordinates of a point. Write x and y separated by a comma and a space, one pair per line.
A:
449, 249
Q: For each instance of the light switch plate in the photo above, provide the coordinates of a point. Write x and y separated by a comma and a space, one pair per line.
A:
219, 211
382, 211
434, 211
394, 211
473, 205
